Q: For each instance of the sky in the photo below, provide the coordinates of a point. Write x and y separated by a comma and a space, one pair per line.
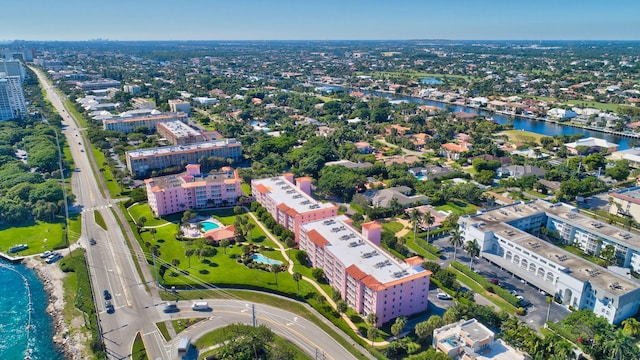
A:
320, 20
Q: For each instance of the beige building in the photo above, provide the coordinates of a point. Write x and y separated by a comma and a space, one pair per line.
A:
178, 133
470, 340
180, 106
626, 202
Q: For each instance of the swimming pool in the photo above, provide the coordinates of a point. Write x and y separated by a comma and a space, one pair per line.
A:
209, 225
265, 260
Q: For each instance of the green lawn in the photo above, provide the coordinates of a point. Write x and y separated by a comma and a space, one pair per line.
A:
138, 352
99, 219
221, 335
181, 324
112, 185
522, 136
143, 209
392, 226
458, 207
40, 237
246, 188
162, 327
478, 289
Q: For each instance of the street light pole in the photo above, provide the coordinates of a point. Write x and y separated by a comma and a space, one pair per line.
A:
64, 191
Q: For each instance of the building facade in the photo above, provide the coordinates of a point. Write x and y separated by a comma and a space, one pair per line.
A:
509, 236
127, 124
369, 279
626, 203
12, 101
193, 190
290, 203
178, 133
144, 161
469, 340
180, 106
100, 84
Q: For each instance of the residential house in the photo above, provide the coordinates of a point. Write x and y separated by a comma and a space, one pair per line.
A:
398, 194
471, 340
364, 147
520, 171
593, 144
452, 151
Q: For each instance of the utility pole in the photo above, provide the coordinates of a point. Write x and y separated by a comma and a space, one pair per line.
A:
253, 314
155, 269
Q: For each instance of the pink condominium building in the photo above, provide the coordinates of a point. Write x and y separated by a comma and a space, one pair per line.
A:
193, 190
289, 202
369, 279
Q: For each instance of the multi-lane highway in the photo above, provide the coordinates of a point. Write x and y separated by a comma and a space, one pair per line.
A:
112, 267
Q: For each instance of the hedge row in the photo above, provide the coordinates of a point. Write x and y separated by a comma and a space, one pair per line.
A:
486, 284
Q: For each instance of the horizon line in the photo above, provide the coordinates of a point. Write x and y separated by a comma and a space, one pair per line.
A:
308, 40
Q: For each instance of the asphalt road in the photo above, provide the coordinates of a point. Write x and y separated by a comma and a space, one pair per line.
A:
536, 312
111, 266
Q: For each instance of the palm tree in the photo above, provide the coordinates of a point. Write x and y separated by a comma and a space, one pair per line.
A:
473, 249
631, 327
297, 277
153, 232
249, 228
414, 219
189, 253
428, 220
456, 240
275, 268
372, 319
224, 243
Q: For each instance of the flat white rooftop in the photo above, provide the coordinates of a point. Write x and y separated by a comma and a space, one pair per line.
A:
287, 193
179, 129
167, 150
351, 248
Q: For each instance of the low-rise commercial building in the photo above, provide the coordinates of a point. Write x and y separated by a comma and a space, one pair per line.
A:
471, 340
369, 279
290, 203
128, 123
509, 237
193, 190
180, 106
99, 84
144, 161
178, 133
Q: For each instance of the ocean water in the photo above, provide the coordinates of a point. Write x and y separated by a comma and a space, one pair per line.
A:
24, 326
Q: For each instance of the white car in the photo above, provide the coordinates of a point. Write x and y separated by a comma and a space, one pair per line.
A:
443, 296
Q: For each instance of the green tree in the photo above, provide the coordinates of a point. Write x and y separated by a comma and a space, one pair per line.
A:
372, 319
224, 244
297, 277
189, 253
415, 220
473, 249
341, 306
398, 326
153, 233
456, 240
275, 269
372, 334
428, 220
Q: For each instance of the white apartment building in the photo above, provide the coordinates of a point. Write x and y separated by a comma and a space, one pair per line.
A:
509, 237
12, 102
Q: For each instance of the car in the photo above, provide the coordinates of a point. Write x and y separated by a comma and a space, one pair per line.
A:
519, 297
443, 296
81, 150
45, 254
79, 143
513, 292
108, 305
92, 241
170, 308
495, 281
543, 293
106, 294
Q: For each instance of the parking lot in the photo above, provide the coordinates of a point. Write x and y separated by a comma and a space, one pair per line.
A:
537, 304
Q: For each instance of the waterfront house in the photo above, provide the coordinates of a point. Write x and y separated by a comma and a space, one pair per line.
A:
593, 145
452, 151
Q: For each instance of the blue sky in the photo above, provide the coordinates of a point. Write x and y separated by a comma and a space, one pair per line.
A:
320, 20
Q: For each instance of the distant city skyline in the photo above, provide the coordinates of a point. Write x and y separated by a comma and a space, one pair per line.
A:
326, 20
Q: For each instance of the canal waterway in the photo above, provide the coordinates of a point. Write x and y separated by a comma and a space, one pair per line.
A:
26, 329
519, 123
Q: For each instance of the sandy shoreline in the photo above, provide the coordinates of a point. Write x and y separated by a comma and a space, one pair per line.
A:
52, 278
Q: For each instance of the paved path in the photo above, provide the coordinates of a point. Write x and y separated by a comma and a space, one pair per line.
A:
311, 281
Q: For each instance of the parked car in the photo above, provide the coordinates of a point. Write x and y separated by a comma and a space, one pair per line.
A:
45, 254
443, 296
494, 281
106, 294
